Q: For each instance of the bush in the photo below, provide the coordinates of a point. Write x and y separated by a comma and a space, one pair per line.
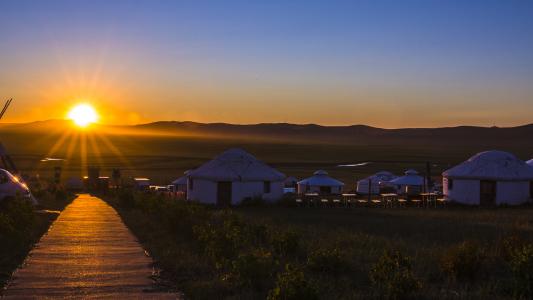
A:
16, 221
253, 269
509, 245
252, 202
288, 200
521, 262
392, 277
292, 285
126, 198
222, 237
286, 243
61, 195
462, 262
20, 211
328, 261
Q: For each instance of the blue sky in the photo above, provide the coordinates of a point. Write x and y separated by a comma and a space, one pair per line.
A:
383, 63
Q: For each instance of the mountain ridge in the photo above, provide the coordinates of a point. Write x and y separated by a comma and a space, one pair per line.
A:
309, 133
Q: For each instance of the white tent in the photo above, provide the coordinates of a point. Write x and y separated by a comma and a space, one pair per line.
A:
233, 176
320, 182
410, 183
377, 181
490, 177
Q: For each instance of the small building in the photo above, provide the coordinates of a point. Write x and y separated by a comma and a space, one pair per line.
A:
233, 176
320, 183
180, 184
489, 178
375, 183
409, 184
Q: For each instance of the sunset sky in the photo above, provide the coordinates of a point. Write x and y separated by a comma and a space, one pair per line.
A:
382, 63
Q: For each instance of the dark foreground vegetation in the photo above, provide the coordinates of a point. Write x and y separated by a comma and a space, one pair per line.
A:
22, 225
278, 252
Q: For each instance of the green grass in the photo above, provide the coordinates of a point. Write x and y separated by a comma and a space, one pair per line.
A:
208, 253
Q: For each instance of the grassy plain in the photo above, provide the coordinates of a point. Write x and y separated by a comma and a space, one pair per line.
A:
451, 253
165, 158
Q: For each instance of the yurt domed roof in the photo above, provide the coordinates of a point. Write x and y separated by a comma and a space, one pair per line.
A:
236, 165
382, 176
492, 165
320, 172
411, 172
411, 177
321, 178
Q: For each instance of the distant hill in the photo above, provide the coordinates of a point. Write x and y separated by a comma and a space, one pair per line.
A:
354, 134
309, 133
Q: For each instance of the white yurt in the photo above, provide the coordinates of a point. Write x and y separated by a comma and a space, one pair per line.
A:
490, 177
180, 184
321, 183
233, 176
410, 183
376, 181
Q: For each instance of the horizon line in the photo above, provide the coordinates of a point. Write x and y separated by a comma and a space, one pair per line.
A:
269, 123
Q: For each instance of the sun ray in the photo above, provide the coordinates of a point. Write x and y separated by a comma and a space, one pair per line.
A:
57, 145
115, 150
95, 149
83, 152
70, 150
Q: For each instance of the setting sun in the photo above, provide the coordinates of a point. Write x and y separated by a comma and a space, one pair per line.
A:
83, 115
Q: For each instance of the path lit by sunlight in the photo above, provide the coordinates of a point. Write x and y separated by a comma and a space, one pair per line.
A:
88, 252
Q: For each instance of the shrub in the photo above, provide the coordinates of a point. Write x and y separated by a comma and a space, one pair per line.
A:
329, 261
253, 269
221, 237
286, 242
392, 277
509, 245
126, 198
61, 195
288, 200
252, 202
521, 262
292, 285
462, 262
16, 221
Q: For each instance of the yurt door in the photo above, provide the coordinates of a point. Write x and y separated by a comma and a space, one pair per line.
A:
487, 194
224, 193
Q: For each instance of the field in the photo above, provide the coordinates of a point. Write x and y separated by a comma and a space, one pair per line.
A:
165, 157
295, 253
335, 253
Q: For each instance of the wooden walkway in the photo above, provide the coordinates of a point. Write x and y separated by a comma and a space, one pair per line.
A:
87, 253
